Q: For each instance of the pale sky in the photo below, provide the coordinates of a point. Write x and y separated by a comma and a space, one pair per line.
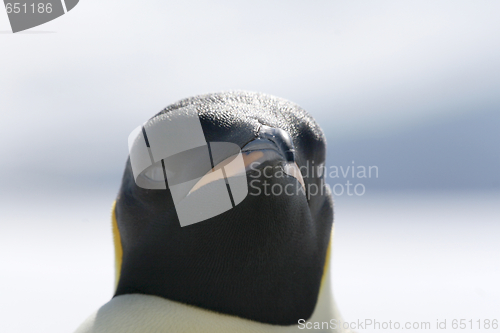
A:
359, 67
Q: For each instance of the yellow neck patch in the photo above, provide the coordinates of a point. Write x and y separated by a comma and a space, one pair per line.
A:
118, 245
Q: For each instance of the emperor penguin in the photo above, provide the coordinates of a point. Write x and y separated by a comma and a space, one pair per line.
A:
256, 262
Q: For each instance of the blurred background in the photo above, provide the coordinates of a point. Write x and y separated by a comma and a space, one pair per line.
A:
411, 88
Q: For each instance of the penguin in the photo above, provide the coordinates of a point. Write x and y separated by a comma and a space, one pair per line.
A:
263, 264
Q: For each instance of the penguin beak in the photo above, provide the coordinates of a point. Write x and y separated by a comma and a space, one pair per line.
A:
254, 154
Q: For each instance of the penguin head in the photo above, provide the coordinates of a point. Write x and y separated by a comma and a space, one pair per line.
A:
262, 259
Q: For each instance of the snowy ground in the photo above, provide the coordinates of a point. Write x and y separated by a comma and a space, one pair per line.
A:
418, 257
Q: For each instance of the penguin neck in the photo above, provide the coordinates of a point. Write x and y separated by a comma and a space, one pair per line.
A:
147, 313
270, 271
